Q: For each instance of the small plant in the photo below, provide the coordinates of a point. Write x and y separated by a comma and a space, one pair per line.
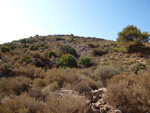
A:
23, 41
148, 62
5, 49
51, 53
25, 46
67, 49
84, 60
28, 59
138, 67
33, 47
102, 73
98, 52
68, 60
58, 38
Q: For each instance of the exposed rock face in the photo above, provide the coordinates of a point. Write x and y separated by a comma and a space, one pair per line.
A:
98, 105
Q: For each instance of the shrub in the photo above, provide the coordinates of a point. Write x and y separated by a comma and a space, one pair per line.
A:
23, 41
98, 52
6, 69
18, 84
138, 67
22, 104
130, 93
25, 46
58, 38
12, 46
148, 62
51, 53
102, 73
67, 77
84, 60
33, 47
68, 103
67, 49
68, 60
51, 87
29, 71
14, 85
5, 49
39, 82
82, 87
28, 59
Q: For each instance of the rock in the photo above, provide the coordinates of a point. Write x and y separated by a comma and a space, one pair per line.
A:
118, 111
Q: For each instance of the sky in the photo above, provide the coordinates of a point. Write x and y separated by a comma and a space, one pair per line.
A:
89, 18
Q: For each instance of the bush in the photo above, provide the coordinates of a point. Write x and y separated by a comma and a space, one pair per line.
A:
67, 49
5, 49
33, 47
68, 103
102, 73
28, 59
22, 104
14, 85
148, 62
25, 46
82, 87
84, 60
68, 60
51, 53
138, 67
58, 38
98, 52
130, 93
23, 41
39, 82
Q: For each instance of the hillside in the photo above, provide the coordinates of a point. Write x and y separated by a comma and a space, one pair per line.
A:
53, 74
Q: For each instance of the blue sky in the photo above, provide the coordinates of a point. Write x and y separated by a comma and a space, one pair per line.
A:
94, 18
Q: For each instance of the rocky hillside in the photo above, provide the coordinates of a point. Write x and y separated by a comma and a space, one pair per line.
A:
72, 74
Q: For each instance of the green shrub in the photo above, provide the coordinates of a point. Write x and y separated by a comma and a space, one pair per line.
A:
119, 49
5, 49
98, 52
84, 60
23, 41
67, 60
58, 38
67, 49
28, 59
52, 53
25, 46
33, 47
148, 62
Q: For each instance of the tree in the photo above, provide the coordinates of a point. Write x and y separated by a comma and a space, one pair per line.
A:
132, 33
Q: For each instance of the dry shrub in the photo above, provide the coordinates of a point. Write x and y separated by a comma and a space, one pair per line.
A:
15, 85
66, 104
22, 104
66, 77
102, 73
39, 82
82, 87
51, 87
130, 94
29, 71
19, 84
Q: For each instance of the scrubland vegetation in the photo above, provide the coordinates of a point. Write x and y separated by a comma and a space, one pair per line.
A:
33, 72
